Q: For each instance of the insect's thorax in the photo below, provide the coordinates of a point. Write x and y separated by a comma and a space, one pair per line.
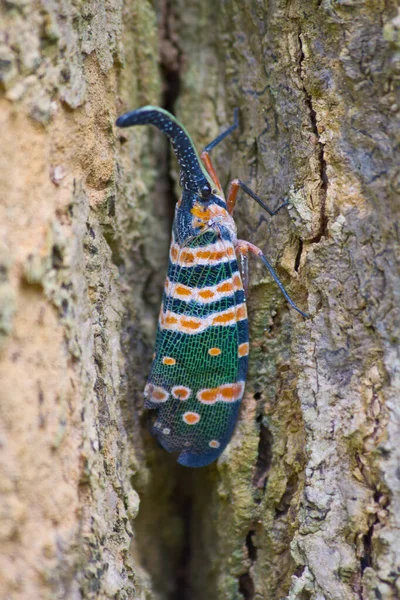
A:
196, 221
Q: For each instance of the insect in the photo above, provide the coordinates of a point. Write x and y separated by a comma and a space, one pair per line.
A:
199, 368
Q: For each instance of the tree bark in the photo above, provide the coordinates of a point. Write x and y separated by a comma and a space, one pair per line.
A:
304, 504
78, 271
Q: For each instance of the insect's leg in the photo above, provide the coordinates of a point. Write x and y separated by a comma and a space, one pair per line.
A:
232, 193
242, 244
206, 159
225, 133
231, 197
242, 254
205, 155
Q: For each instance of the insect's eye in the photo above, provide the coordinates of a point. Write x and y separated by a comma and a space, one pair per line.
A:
205, 191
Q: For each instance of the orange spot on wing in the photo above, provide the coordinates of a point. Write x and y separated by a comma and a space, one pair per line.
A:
237, 389
227, 393
206, 294
182, 393
182, 290
190, 323
224, 318
237, 282
170, 320
241, 312
174, 252
157, 394
231, 392
208, 396
214, 444
191, 418
225, 287
186, 257
243, 349
204, 254
168, 360
214, 351
217, 255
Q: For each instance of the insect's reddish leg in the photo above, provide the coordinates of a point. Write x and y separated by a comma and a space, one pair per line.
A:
232, 193
206, 160
233, 190
243, 246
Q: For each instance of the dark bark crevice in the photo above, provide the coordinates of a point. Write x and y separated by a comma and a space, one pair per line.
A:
170, 58
170, 67
298, 256
246, 583
185, 499
366, 560
263, 464
286, 500
323, 232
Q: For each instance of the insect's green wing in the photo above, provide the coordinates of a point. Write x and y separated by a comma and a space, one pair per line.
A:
197, 377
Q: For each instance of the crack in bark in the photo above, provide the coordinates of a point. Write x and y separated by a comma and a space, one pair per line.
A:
286, 500
182, 588
321, 155
170, 58
246, 583
366, 560
298, 256
263, 463
170, 66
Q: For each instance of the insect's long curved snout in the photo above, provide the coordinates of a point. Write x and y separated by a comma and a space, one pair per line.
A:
192, 176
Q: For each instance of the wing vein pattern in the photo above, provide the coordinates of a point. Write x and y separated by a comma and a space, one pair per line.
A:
197, 377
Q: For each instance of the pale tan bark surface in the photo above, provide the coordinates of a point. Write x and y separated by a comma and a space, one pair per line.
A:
72, 252
305, 502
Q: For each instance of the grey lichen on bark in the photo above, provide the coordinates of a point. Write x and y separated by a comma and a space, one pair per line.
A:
305, 502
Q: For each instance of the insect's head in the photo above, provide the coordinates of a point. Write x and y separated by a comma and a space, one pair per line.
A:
201, 202
200, 210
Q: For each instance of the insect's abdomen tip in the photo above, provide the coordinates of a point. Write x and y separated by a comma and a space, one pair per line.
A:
190, 459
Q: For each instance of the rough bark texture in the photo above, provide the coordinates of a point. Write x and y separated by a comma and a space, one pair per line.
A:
76, 265
305, 502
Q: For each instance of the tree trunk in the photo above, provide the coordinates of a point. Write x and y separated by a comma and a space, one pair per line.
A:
305, 502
